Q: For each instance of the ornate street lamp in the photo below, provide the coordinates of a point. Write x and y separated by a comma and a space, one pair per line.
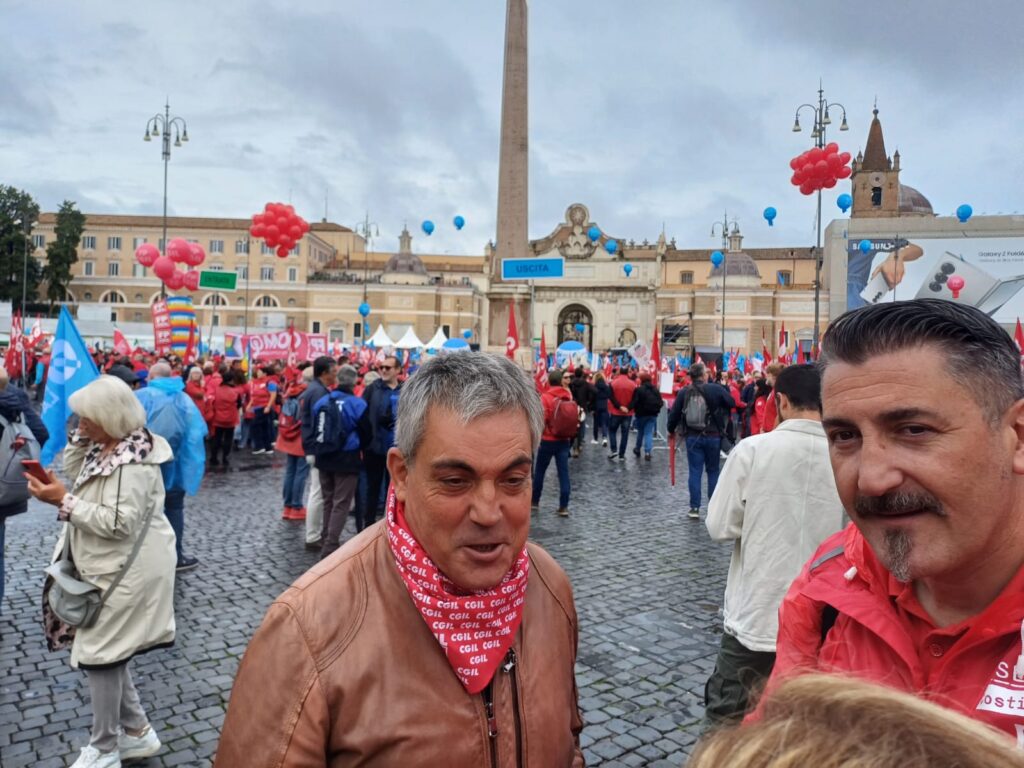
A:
161, 126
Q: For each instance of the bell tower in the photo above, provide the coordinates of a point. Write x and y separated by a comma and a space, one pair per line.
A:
876, 178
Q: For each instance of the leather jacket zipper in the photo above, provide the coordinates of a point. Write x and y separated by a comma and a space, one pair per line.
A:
492, 723
509, 668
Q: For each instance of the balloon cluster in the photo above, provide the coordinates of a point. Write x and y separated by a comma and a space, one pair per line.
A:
279, 226
179, 251
820, 168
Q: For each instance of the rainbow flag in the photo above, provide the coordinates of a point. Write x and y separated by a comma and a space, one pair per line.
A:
183, 318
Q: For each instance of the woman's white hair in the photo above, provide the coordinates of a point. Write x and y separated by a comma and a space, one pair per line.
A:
109, 404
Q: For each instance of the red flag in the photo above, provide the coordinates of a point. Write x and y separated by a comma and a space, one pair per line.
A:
764, 348
12, 360
714, 370
121, 345
655, 362
783, 346
190, 349
1018, 336
800, 359
512, 336
36, 335
541, 373
571, 368
748, 365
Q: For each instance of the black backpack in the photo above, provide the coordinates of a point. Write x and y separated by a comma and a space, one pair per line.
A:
696, 411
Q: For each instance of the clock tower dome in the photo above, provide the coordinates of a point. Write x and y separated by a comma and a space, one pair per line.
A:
877, 192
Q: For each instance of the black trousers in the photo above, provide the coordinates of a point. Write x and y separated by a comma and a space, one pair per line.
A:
377, 477
739, 673
221, 444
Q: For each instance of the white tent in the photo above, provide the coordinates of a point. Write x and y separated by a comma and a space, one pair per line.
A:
409, 341
380, 339
437, 342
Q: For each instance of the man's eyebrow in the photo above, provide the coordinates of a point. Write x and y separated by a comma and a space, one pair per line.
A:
886, 417
463, 466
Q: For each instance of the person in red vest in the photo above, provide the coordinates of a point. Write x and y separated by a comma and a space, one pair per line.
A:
771, 413
224, 407
555, 443
620, 414
262, 396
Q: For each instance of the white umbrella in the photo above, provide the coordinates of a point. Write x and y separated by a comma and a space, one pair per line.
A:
380, 339
409, 341
437, 341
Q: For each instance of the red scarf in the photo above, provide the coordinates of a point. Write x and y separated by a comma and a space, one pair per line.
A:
476, 629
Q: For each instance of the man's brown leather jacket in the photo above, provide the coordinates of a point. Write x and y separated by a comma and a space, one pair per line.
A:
344, 672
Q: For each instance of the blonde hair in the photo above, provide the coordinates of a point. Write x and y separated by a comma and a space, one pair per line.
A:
109, 404
831, 721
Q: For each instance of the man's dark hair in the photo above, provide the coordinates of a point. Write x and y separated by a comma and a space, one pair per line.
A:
698, 371
802, 385
970, 340
322, 365
555, 377
579, 373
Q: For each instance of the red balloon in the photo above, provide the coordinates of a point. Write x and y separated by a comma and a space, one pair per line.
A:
820, 168
282, 252
272, 232
829, 183
176, 280
285, 242
806, 188
178, 249
844, 172
147, 254
257, 230
163, 267
794, 163
283, 222
796, 180
831, 148
191, 280
305, 225
196, 255
294, 231
845, 157
833, 161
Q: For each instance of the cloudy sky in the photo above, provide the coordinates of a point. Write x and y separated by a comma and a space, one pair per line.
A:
655, 112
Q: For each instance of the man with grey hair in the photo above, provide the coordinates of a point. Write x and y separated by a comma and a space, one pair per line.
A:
174, 416
924, 590
437, 636
341, 429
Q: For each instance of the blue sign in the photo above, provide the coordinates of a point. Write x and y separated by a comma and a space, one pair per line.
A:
532, 269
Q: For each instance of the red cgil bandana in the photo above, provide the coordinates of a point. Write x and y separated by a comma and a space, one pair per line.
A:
474, 630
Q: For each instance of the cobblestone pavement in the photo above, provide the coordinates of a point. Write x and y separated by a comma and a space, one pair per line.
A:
648, 585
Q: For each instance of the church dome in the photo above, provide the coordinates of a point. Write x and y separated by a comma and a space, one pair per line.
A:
405, 267
737, 264
405, 263
912, 201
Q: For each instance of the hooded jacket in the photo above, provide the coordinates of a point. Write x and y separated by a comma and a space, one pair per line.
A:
14, 403
171, 414
975, 667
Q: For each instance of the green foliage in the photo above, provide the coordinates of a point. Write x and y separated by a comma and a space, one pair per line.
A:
15, 242
62, 253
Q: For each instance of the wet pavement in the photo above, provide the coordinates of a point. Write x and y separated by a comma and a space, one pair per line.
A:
648, 585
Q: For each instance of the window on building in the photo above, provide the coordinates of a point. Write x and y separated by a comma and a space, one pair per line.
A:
266, 301
87, 296
113, 243
784, 277
316, 326
89, 242
38, 241
138, 270
241, 246
113, 316
138, 297
291, 302
295, 250
242, 272
113, 297
446, 330
216, 320
137, 241
293, 274
686, 278
88, 268
113, 268
876, 197
338, 334
239, 319
215, 300
137, 317
357, 331
266, 273
215, 267
216, 246
266, 250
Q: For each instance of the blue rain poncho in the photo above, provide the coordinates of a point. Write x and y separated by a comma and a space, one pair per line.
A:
171, 414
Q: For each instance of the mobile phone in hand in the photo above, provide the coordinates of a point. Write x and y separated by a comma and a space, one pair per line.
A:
35, 469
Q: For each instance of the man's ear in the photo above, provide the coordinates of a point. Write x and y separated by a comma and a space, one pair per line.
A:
398, 468
1014, 419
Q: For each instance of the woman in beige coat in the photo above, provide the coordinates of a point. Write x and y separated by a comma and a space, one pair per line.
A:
115, 463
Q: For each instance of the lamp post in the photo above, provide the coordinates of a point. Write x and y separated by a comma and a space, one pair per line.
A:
724, 225
821, 123
248, 269
369, 230
161, 125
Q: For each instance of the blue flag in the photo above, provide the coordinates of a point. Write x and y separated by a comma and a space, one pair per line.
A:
71, 368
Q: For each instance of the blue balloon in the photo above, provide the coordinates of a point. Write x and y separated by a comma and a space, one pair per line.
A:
865, 246
594, 234
611, 246
364, 309
467, 334
717, 257
844, 201
459, 222
769, 215
628, 269
428, 226
580, 327
964, 212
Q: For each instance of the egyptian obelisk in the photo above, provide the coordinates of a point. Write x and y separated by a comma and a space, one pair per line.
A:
513, 166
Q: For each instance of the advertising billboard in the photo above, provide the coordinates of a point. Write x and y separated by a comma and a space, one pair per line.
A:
985, 272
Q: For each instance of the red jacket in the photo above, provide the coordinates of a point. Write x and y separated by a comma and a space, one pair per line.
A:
770, 413
882, 634
224, 407
622, 394
547, 400
289, 432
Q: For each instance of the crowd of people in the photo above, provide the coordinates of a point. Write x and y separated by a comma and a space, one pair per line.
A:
874, 518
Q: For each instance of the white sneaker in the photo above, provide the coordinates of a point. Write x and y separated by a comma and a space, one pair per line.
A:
132, 747
91, 757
